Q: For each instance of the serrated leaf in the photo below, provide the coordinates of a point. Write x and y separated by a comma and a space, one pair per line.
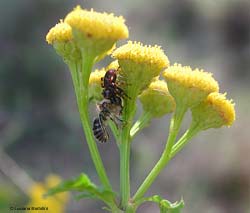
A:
85, 185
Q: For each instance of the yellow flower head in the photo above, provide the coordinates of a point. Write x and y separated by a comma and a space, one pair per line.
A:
56, 203
156, 99
60, 36
95, 89
61, 32
189, 87
96, 31
140, 64
97, 25
215, 111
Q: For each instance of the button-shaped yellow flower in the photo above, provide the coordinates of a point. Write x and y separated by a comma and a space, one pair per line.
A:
156, 99
61, 32
96, 32
139, 65
214, 112
189, 87
60, 36
55, 204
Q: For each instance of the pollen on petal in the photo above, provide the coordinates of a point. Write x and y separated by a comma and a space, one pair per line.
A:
97, 25
61, 32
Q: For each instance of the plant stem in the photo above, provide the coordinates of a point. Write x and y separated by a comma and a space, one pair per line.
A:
141, 123
190, 133
124, 173
129, 111
165, 157
80, 75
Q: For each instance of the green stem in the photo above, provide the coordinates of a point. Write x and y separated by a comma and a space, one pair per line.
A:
187, 136
165, 157
129, 111
80, 74
124, 173
141, 123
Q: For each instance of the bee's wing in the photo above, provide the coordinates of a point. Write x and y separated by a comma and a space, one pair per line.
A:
104, 130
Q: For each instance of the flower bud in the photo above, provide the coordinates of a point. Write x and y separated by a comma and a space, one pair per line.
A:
156, 99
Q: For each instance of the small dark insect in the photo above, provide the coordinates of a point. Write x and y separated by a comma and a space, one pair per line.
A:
110, 108
111, 87
107, 110
109, 78
110, 95
110, 111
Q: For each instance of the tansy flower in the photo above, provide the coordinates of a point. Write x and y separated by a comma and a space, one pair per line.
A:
156, 99
95, 89
55, 204
60, 36
61, 32
96, 33
189, 87
139, 65
214, 112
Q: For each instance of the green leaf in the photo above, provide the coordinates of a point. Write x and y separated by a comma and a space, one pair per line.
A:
86, 186
165, 205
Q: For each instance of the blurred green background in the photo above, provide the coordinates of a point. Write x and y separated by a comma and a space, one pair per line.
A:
39, 123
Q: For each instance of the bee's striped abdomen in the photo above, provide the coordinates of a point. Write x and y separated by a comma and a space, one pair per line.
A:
99, 130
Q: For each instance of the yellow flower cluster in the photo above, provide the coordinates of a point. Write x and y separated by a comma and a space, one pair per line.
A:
55, 204
86, 32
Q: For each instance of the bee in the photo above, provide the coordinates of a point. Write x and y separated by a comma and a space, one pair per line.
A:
99, 129
110, 108
107, 111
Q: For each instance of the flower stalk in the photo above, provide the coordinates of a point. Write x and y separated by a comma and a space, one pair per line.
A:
80, 72
124, 147
166, 155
